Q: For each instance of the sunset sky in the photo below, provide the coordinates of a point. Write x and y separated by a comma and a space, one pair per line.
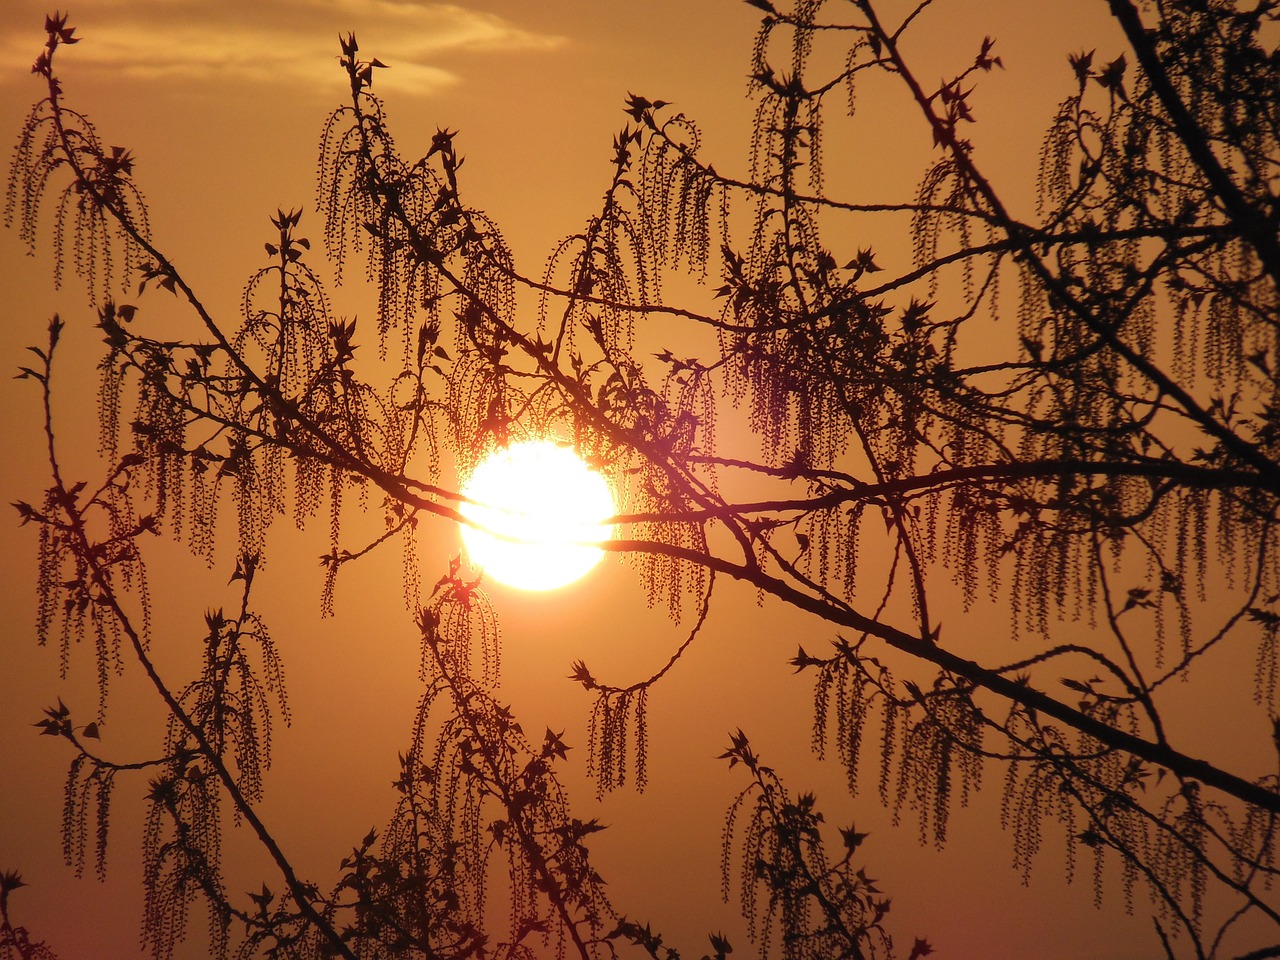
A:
222, 103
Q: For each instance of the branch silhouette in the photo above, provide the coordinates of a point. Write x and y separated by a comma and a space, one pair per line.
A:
1098, 451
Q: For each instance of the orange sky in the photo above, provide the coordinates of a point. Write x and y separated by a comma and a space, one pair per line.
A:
222, 104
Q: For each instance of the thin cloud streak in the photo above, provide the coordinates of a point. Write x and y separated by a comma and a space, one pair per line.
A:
241, 41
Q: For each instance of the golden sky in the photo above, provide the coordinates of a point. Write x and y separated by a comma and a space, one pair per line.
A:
222, 102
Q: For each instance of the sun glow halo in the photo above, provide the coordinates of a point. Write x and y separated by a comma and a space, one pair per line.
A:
548, 508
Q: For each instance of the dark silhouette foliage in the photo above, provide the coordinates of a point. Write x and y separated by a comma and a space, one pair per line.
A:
15, 941
1075, 415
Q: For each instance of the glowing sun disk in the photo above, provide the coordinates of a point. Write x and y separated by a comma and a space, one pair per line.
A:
547, 508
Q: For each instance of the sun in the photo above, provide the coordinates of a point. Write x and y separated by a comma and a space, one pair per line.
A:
547, 508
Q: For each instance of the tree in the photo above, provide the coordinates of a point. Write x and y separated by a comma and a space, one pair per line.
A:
1103, 453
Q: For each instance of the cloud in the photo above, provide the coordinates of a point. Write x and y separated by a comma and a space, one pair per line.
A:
293, 42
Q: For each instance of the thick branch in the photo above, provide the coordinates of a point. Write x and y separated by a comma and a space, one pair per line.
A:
1256, 228
1011, 689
